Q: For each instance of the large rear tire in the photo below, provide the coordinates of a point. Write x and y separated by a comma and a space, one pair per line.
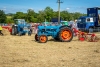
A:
14, 30
65, 34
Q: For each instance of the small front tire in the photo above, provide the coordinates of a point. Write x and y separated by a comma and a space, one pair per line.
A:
43, 39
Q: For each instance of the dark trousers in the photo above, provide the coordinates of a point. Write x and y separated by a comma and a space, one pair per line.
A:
1, 32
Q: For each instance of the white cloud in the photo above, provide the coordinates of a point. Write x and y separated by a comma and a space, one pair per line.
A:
67, 8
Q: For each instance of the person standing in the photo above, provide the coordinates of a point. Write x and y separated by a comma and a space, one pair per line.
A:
36, 28
30, 30
74, 25
1, 30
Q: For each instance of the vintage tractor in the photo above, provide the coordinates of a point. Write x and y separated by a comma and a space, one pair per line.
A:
20, 27
58, 32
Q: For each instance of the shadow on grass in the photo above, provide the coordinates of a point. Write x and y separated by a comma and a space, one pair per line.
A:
53, 40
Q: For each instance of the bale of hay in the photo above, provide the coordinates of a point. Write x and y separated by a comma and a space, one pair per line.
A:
5, 31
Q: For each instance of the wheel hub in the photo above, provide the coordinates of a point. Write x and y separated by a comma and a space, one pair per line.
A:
65, 34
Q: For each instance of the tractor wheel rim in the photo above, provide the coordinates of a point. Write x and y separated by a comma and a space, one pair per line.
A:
43, 39
66, 34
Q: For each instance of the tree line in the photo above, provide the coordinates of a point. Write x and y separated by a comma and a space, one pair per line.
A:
31, 16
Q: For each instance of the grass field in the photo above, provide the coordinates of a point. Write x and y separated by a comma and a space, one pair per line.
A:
24, 51
9, 17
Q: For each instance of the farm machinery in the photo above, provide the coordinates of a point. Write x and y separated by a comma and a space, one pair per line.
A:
8, 28
58, 32
82, 36
20, 27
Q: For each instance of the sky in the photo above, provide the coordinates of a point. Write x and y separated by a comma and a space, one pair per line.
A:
13, 6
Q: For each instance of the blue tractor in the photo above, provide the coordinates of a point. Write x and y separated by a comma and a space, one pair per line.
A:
58, 32
20, 27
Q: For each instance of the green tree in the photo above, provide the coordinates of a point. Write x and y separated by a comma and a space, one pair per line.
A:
48, 13
65, 15
41, 16
9, 20
19, 15
10, 14
77, 15
55, 14
30, 15
2, 17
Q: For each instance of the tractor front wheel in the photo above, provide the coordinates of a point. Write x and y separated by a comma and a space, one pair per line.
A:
65, 34
43, 39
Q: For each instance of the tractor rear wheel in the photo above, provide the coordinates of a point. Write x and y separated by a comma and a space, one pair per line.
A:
36, 37
65, 34
43, 39
14, 30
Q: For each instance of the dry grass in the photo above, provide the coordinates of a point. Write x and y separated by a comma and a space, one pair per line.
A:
16, 51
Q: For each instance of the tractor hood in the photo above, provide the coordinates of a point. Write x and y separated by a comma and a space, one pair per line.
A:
47, 27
